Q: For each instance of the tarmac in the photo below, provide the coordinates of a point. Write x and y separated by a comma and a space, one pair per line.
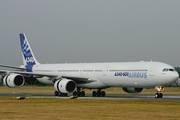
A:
110, 97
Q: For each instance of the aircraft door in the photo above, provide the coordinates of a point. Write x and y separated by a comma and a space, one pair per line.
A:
104, 71
152, 69
56, 69
81, 71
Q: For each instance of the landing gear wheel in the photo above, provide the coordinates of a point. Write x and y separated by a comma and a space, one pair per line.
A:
79, 93
65, 94
56, 93
98, 93
74, 93
103, 94
94, 93
82, 93
60, 94
158, 95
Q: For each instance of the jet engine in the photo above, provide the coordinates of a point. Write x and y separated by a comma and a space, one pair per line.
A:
65, 86
1, 80
13, 80
132, 89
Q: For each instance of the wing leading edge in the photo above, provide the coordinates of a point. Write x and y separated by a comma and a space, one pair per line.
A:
14, 67
53, 76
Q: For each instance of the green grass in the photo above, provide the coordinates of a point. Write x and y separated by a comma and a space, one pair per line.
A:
64, 109
88, 109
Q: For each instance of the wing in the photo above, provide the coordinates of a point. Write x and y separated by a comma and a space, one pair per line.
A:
80, 79
15, 67
77, 79
3, 72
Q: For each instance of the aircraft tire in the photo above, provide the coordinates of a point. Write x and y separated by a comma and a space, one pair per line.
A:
103, 94
65, 94
56, 93
82, 93
161, 95
94, 93
74, 93
98, 94
158, 95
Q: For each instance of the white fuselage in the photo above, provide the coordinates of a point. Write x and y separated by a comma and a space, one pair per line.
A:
125, 74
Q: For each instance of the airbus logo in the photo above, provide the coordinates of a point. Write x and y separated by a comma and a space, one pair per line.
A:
132, 74
25, 46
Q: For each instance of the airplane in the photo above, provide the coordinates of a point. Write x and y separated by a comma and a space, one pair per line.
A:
133, 77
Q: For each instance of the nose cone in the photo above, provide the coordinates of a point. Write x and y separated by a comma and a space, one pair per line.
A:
174, 76
171, 77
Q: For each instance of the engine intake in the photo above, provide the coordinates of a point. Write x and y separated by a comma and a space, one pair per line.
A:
65, 86
132, 89
13, 80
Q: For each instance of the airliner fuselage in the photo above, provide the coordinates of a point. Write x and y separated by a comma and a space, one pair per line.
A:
125, 74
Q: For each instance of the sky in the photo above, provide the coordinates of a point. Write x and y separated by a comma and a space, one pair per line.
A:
83, 31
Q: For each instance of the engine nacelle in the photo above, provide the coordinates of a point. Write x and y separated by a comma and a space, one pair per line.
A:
65, 86
13, 80
132, 89
1, 80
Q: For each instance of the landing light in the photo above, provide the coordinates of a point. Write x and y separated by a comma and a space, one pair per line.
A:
89, 79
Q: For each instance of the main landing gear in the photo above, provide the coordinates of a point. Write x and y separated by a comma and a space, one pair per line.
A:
99, 93
56, 93
79, 93
159, 89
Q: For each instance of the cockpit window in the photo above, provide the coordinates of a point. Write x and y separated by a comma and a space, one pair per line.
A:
171, 70
166, 69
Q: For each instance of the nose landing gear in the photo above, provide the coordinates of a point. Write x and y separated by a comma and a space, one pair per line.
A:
159, 89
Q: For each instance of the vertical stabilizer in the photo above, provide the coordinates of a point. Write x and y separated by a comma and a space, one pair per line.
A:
27, 54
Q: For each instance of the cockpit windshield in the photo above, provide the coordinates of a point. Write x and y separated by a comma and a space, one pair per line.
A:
168, 69
171, 70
